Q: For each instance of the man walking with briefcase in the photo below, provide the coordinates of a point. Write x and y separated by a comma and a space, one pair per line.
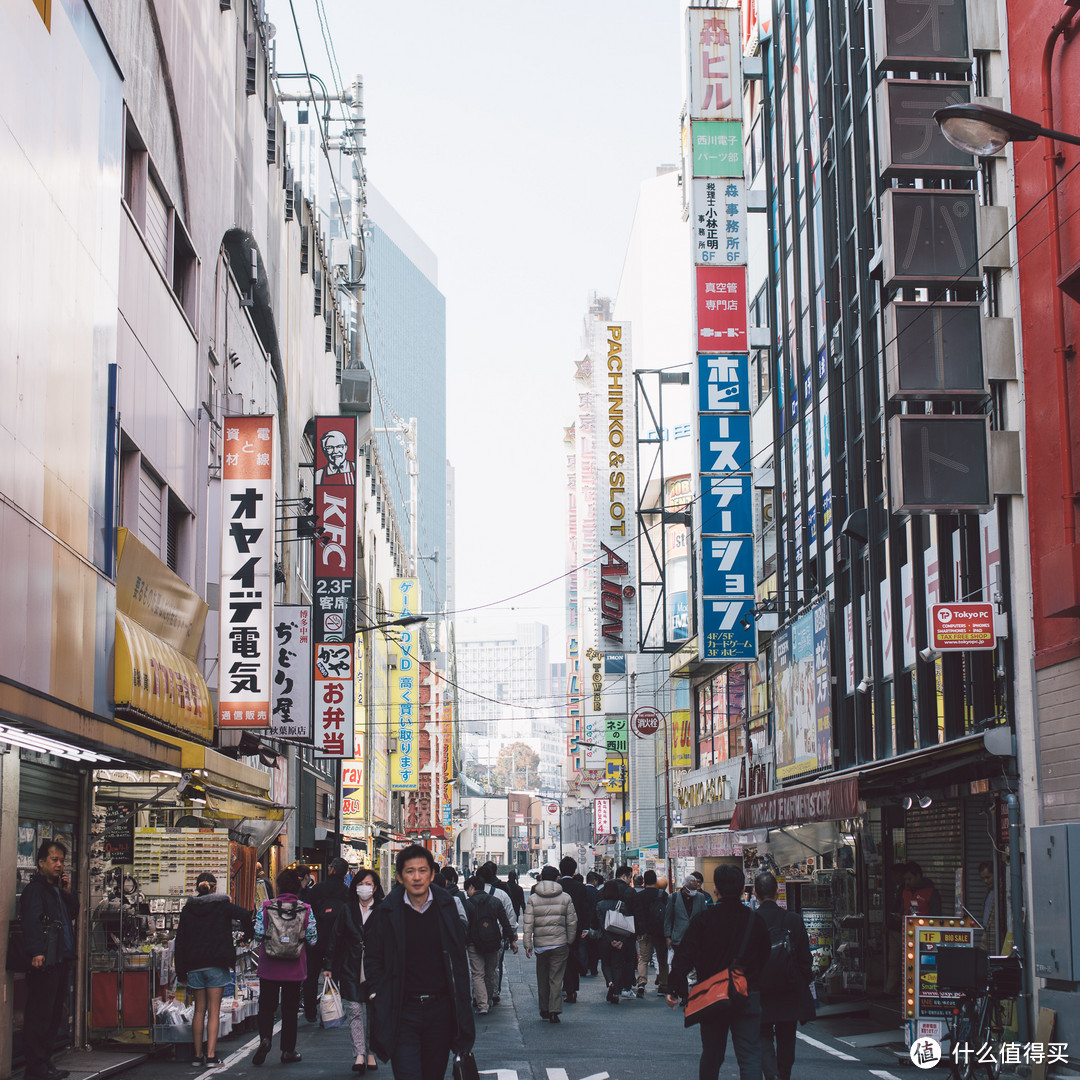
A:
727, 934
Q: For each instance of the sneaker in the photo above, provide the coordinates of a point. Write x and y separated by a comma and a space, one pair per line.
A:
212, 1061
197, 1062
482, 1012
494, 999
640, 992
661, 991
630, 995
260, 1054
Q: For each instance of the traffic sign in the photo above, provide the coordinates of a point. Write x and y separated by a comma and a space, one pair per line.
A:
553, 807
646, 721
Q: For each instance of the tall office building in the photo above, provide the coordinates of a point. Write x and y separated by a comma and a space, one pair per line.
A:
403, 343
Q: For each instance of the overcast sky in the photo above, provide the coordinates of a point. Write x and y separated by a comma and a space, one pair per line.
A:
512, 137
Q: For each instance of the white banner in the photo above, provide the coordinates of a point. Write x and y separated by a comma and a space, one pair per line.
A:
714, 51
247, 572
719, 222
334, 700
602, 817
291, 717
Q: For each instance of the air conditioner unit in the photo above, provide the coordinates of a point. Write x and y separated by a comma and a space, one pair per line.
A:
355, 391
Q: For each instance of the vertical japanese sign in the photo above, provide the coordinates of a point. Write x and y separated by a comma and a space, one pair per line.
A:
714, 54
291, 716
602, 817
721, 371
405, 689
448, 764
247, 567
335, 575
353, 779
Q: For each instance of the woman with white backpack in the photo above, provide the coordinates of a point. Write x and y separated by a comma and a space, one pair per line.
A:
282, 926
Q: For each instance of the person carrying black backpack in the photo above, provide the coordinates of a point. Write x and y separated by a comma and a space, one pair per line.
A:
784, 982
489, 928
650, 907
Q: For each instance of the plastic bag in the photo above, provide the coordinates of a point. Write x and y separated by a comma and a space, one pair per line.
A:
331, 1007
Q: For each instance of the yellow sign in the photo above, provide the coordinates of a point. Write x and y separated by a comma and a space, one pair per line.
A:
682, 745
156, 683
149, 593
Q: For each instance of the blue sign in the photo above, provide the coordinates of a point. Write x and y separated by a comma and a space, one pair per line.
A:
727, 505
728, 630
723, 382
723, 444
727, 566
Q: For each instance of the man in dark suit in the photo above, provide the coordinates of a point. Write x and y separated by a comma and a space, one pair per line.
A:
326, 899
591, 946
713, 941
421, 1008
784, 982
579, 896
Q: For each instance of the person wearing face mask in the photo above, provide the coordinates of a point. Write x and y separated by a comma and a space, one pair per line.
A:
345, 956
683, 906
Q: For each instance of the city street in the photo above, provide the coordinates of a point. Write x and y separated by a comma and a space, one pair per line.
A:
636, 1040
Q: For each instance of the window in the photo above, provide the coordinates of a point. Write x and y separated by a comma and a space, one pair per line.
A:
135, 171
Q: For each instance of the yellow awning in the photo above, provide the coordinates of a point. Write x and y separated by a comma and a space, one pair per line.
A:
156, 683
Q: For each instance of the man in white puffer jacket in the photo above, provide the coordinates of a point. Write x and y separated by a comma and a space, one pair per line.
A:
550, 929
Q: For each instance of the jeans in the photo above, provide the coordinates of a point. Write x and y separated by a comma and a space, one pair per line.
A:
483, 966
269, 989
46, 1000
646, 946
745, 1028
499, 971
550, 968
423, 1039
778, 1049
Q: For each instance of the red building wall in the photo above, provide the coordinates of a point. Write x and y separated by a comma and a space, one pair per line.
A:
1057, 638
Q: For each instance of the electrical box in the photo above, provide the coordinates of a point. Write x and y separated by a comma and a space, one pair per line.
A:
1055, 850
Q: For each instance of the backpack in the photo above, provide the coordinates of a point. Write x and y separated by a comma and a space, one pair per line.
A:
485, 933
654, 916
284, 929
778, 974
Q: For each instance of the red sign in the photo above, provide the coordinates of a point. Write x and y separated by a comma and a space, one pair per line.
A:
721, 308
645, 722
962, 627
553, 807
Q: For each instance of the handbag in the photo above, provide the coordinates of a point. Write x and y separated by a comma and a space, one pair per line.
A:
18, 956
331, 1007
721, 994
465, 1067
617, 922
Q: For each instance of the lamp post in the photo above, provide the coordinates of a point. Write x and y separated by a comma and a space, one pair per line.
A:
623, 792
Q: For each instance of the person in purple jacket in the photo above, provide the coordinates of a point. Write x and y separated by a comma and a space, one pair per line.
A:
282, 975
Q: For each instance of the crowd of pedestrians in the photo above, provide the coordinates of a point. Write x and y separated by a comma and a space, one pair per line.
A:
413, 968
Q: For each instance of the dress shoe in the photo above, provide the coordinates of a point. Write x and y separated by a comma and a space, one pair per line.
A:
360, 1067
372, 1066
545, 1015
570, 998
53, 1073
289, 1056
260, 1054
555, 1018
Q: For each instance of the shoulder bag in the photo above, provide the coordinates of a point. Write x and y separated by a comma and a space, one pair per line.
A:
721, 994
617, 922
465, 1067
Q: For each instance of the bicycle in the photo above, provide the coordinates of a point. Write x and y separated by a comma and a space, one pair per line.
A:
977, 1027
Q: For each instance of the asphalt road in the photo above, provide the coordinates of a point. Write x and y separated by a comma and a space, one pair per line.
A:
635, 1040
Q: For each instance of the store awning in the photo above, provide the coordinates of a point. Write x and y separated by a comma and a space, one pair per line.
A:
828, 801
157, 684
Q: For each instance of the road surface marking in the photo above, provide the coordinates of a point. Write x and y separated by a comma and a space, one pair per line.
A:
881, 1074
828, 1049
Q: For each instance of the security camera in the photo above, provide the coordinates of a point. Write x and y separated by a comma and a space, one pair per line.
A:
928, 654
864, 685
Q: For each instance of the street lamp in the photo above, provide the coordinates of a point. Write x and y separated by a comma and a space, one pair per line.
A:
985, 131
623, 790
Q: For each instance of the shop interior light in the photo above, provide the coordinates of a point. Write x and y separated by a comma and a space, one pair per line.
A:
42, 745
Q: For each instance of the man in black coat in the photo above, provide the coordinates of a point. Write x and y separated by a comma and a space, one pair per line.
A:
784, 982
584, 909
591, 946
515, 892
48, 912
421, 1007
713, 941
326, 899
